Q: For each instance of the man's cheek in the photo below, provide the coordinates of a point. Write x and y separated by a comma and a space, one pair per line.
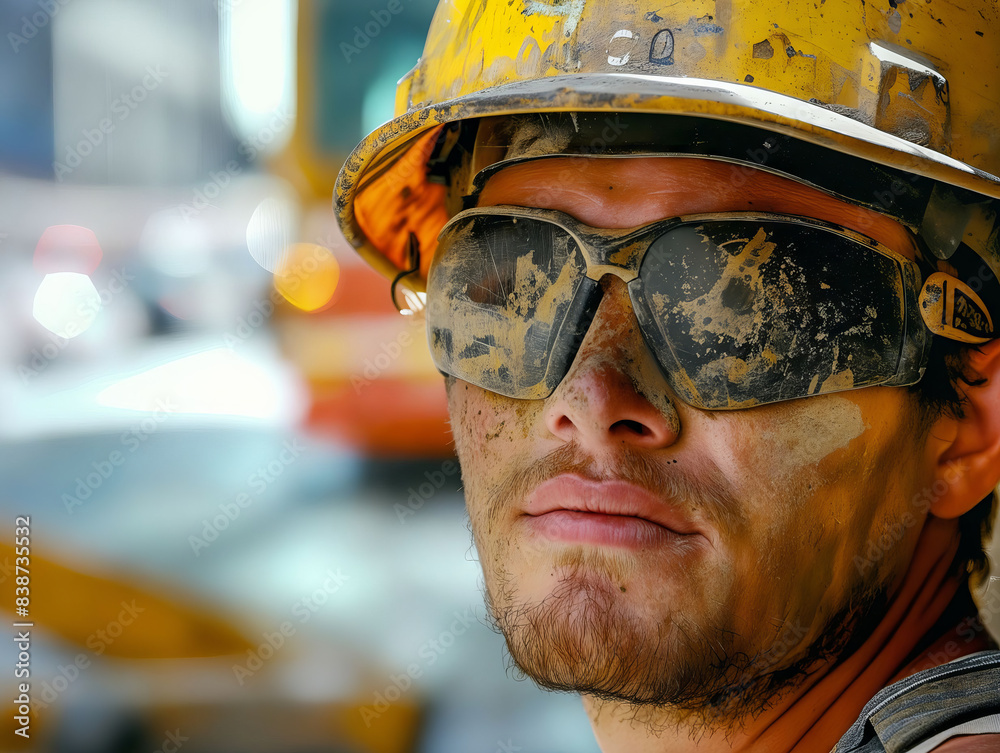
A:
487, 427
806, 433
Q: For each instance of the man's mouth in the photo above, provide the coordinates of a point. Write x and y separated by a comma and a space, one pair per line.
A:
573, 509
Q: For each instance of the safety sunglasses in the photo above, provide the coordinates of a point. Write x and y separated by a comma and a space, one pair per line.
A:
739, 309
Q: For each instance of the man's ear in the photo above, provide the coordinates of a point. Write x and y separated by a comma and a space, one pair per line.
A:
966, 451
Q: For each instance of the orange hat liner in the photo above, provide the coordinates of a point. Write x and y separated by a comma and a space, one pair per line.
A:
417, 206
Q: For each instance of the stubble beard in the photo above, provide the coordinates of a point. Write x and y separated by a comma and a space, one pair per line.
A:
585, 637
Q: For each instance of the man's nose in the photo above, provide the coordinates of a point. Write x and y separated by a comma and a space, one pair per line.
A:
614, 392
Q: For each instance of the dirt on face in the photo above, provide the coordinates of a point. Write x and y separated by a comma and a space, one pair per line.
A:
786, 496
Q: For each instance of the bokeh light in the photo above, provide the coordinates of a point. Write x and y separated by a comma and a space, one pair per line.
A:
308, 277
66, 303
269, 232
67, 248
410, 302
219, 381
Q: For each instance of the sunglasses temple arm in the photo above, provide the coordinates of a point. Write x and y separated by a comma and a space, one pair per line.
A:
915, 352
413, 259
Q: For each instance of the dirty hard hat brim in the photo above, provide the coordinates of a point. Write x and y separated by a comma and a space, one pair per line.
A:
637, 93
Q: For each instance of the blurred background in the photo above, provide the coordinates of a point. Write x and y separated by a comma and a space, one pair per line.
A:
246, 525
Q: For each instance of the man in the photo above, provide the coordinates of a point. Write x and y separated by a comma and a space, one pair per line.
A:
720, 357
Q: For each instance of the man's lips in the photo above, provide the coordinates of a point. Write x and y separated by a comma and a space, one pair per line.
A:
618, 513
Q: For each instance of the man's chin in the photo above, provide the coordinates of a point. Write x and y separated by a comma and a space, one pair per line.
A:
582, 631
565, 639
585, 637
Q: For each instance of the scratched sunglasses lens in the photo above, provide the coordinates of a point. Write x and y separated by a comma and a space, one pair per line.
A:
749, 312
502, 292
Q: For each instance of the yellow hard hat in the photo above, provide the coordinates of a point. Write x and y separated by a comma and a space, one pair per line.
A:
899, 93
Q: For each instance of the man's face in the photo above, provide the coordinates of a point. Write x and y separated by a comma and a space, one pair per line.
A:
750, 570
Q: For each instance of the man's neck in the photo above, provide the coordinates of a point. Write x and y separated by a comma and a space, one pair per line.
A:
930, 620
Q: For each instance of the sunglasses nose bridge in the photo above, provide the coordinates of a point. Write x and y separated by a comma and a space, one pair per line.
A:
609, 253
598, 272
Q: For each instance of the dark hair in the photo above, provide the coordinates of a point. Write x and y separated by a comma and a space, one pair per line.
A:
941, 393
